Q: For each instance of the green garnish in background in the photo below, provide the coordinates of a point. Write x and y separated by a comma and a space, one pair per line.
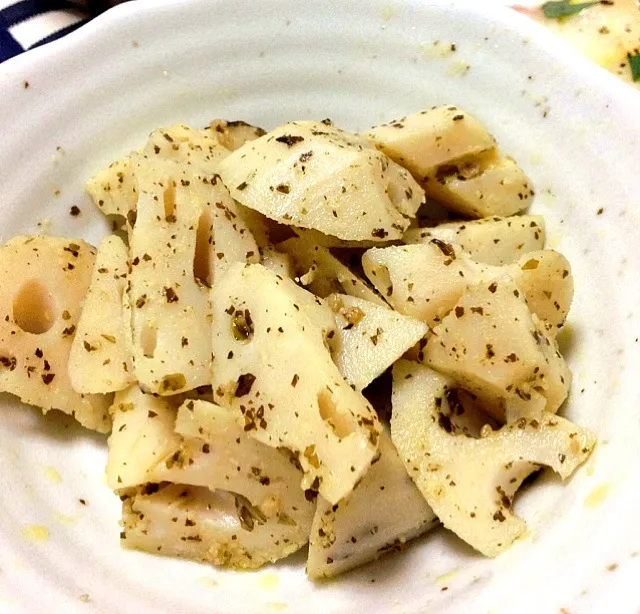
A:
634, 63
563, 8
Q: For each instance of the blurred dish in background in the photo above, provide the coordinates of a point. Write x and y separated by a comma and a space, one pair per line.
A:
607, 32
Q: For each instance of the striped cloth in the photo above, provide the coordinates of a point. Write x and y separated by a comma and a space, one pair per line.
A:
26, 24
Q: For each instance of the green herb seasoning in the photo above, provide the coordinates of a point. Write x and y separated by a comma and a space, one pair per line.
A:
634, 63
563, 8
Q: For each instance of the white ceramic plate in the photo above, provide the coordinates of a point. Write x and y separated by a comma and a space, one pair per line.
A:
68, 109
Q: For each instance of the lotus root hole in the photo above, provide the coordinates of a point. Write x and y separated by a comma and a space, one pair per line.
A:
34, 308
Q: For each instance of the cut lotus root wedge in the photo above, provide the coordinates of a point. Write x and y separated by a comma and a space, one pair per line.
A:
186, 233
114, 190
275, 371
101, 358
470, 483
490, 240
491, 344
43, 282
316, 176
457, 162
370, 338
195, 523
383, 512
258, 513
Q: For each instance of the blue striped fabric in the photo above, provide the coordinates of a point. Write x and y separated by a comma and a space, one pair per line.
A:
26, 24
8, 45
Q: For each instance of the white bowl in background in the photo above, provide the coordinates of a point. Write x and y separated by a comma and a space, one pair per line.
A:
70, 108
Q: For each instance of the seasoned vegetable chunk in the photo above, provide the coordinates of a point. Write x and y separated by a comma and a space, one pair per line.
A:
314, 175
195, 523
114, 190
199, 149
274, 369
422, 281
428, 139
492, 240
425, 280
470, 483
491, 344
383, 512
323, 273
456, 161
545, 279
43, 281
142, 436
215, 444
370, 338
488, 185
170, 310
101, 358
206, 450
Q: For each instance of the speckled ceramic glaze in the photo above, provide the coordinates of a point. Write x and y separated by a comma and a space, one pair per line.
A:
68, 109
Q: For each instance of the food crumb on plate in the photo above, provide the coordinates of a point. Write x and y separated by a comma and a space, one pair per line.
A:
269, 580
53, 475
36, 533
436, 49
389, 12
444, 578
45, 226
64, 519
458, 67
597, 495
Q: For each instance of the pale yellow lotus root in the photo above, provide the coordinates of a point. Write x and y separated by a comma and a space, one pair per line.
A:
370, 338
383, 512
323, 274
233, 134
456, 161
492, 345
273, 368
43, 281
195, 523
469, 482
186, 232
101, 358
314, 175
114, 189
269, 516
490, 240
